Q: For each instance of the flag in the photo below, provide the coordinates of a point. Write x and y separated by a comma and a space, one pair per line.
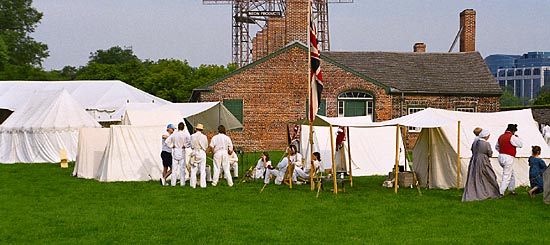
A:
315, 76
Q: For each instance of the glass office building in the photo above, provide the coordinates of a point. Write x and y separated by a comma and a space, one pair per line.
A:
525, 74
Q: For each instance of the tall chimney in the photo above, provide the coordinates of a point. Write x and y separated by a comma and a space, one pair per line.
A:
419, 48
296, 21
468, 34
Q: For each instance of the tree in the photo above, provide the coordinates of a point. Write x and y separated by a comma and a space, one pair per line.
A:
114, 56
17, 20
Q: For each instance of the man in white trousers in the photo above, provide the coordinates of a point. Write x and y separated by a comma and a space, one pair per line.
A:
199, 144
278, 173
222, 147
177, 142
506, 147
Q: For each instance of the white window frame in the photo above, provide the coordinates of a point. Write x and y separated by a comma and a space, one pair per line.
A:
411, 110
466, 109
356, 95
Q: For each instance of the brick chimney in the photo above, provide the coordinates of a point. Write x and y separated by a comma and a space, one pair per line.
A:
419, 48
468, 34
296, 21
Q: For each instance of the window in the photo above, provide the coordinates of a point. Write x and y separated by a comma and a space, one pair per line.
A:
235, 106
518, 88
536, 71
322, 108
466, 109
519, 72
527, 88
355, 103
501, 73
502, 83
527, 72
411, 110
510, 73
536, 87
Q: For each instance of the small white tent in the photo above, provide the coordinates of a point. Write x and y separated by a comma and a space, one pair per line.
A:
210, 114
41, 127
91, 146
436, 151
372, 148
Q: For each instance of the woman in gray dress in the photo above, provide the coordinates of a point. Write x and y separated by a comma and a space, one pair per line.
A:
482, 182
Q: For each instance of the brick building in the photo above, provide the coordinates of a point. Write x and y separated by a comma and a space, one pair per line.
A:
272, 91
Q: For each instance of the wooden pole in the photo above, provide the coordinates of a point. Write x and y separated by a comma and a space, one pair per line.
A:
458, 157
396, 159
312, 166
429, 158
349, 156
333, 161
288, 159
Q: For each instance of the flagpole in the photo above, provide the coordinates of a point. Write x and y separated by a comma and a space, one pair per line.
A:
310, 115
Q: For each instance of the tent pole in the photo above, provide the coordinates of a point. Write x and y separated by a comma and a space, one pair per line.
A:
396, 158
312, 166
349, 156
429, 158
333, 161
458, 157
310, 114
288, 158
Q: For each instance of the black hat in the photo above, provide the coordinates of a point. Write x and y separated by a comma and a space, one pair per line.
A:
512, 127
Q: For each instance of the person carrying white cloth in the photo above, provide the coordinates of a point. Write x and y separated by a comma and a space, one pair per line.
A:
221, 146
199, 144
177, 142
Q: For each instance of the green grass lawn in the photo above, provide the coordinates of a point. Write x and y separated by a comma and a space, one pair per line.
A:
42, 203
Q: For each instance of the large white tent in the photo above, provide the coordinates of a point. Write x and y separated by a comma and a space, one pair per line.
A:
131, 152
446, 135
100, 98
41, 126
372, 149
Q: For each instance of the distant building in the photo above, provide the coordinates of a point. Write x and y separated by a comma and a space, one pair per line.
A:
525, 74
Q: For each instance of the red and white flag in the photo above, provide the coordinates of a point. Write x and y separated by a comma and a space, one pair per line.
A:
315, 76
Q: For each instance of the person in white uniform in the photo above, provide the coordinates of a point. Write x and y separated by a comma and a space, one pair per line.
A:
222, 147
278, 173
166, 154
261, 166
187, 151
298, 172
177, 141
506, 147
546, 134
234, 164
199, 144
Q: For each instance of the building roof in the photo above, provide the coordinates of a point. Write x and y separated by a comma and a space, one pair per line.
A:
440, 73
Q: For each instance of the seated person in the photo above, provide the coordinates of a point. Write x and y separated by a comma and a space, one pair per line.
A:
262, 165
234, 164
278, 172
304, 174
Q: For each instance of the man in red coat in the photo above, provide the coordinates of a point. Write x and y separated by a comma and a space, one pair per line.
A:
506, 147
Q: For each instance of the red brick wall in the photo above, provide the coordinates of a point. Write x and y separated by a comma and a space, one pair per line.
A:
275, 34
296, 20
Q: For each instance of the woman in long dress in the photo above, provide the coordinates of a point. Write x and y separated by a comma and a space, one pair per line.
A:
536, 168
482, 182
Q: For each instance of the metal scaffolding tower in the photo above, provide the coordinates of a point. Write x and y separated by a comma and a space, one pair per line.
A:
256, 12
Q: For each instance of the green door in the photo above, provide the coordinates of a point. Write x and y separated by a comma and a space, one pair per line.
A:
353, 108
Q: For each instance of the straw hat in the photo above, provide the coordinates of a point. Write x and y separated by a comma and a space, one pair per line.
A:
199, 126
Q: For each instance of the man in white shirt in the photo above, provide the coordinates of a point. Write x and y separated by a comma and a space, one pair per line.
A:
177, 141
234, 164
278, 173
222, 146
506, 147
199, 144
546, 134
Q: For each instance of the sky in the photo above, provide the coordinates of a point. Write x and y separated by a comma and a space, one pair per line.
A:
201, 34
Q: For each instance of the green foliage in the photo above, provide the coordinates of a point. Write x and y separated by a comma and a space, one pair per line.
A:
544, 96
42, 203
114, 56
17, 20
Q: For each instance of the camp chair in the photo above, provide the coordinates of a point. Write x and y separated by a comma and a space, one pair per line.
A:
287, 179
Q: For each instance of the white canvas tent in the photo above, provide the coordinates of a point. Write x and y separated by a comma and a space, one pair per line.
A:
372, 148
132, 151
91, 146
436, 153
100, 98
41, 127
